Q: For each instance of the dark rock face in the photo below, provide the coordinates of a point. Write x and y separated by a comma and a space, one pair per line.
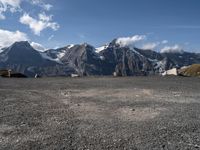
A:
125, 61
21, 53
183, 59
83, 60
150, 54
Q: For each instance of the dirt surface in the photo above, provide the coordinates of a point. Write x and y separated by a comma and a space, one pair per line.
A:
100, 113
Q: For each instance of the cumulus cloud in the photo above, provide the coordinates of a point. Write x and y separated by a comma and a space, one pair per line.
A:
8, 37
38, 25
44, 17
130, 41
9, 5
172, 49
15, 5
150, 46
35, 24
38, 46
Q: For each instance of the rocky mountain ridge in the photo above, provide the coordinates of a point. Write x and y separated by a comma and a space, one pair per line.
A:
85, 60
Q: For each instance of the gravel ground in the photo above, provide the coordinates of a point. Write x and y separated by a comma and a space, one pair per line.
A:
100, 113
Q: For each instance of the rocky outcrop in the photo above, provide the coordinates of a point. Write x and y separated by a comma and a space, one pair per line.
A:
190, 71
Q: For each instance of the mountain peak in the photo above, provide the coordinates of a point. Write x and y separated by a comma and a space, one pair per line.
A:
21, 45
86, 45
24, 43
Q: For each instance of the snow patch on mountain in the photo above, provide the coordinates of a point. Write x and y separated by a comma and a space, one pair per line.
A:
99, 49
45, 56
161, 65
136, 52
60, 54
70, 46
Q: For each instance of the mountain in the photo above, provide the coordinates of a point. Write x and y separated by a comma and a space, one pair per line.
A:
85, 60
183, 58
82, 58
21, 53
21, 57
125, 61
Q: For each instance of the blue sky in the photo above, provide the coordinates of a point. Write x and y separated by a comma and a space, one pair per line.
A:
165, 24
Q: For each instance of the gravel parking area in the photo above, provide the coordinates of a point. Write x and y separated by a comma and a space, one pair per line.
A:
97, 113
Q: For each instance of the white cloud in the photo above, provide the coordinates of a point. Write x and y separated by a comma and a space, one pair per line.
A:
39, 25
44, 17
164, 42
35, 24
41, 4
130, 41
8, 37
172, 49
150, 46
9, 5
15, 6
38, 46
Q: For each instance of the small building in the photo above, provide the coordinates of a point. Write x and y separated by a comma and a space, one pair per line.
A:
173, 71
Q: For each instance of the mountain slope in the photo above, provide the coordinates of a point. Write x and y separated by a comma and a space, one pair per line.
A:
183, 59
85, 60
21, 57
125, 61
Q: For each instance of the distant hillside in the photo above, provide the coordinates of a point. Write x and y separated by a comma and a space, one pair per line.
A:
192, 71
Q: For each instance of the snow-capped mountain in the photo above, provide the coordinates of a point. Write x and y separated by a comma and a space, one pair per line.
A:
21, 53
85, 60
22, 57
